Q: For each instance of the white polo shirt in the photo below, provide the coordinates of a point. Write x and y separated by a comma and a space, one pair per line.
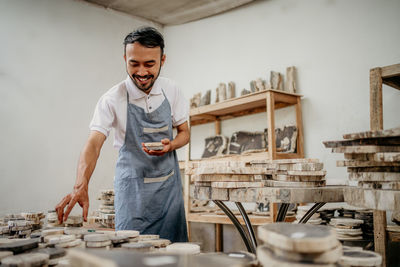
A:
111, 110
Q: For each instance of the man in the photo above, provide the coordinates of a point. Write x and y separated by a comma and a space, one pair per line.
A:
143, 108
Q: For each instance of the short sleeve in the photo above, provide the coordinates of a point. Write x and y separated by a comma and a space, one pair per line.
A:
180, 109
103, 117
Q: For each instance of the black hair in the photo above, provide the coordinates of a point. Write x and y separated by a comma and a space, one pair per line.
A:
146, 36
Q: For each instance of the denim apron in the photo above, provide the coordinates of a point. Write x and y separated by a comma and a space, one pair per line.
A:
148, 189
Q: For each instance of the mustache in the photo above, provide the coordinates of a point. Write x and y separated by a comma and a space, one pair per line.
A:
146, 76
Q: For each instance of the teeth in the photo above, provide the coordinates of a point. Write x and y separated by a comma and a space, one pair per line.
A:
143, 79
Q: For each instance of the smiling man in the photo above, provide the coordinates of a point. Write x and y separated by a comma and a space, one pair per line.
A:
143, 108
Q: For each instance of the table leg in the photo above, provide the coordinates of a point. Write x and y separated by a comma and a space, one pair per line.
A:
218, 238
282, 212
237, 224
311, 212
248, 224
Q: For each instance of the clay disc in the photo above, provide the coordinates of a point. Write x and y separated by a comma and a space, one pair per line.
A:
346, 221
99, 244
53, 252
52, 240
138, 246
157, 242
128, 233
273, 183
148, 237
70, 244
360, 258
300, 238
53, 231
96, 238
183, 248
4, 254
266, 257
28, 259
330, 256
19, 245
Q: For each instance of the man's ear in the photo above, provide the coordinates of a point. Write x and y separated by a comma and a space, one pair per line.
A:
125, 58
163, 59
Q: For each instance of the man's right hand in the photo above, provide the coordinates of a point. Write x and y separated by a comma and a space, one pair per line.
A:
86, 165
80, 195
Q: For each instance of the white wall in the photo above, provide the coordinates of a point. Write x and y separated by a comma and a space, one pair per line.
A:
333, 44
56, 59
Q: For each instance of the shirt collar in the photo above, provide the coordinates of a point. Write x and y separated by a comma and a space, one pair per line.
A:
136, 93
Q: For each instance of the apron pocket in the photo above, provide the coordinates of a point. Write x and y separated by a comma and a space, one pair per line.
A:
155, 134
155, 130
148, 180
156, 195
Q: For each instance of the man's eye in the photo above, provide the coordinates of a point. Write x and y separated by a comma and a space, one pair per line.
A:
149, 65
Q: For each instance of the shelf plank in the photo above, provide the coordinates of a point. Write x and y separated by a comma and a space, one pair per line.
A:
247, 157
372, 198
223, 219
273, 194
391, 75
244, 105
391, 71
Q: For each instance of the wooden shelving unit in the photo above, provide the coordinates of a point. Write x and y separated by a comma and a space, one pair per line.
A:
263, 101
389, 75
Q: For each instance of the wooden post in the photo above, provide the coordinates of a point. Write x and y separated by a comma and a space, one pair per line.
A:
217, 126
219, 244
375, 99
186, 188
273, 207
380, 234
273, 211
376, 123
271, 125
299, 123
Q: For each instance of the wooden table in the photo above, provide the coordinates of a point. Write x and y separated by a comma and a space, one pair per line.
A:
318, 195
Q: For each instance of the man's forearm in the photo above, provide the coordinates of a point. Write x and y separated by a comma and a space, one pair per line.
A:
87, 163
88, 159
182, 137
180, 140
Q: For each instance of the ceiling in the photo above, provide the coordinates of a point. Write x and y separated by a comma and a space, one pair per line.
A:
171, 12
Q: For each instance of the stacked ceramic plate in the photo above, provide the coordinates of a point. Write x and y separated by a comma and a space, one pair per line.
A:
296, 245
347, 228
106, 209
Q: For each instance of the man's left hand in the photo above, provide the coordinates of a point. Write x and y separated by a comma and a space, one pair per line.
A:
167, 147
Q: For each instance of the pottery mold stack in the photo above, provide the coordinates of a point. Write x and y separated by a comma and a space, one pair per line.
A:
347, 228
106, 211
296, 245
302, 210
292, 172
372, 160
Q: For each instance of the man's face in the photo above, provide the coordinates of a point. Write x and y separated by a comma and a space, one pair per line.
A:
143, 65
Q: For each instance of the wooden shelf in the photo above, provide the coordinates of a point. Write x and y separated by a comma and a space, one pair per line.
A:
391, 75
206, 217
272, 194
244, 105
247, 157
263, 101
375, 199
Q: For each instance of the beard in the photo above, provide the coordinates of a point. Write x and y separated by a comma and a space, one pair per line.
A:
144, 88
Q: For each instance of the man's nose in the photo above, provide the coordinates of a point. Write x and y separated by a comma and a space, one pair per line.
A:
142, 71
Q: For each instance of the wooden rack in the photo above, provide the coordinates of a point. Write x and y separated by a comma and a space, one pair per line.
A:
389, 75
263, 101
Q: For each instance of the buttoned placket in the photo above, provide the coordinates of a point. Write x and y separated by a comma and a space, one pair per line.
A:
148, 104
